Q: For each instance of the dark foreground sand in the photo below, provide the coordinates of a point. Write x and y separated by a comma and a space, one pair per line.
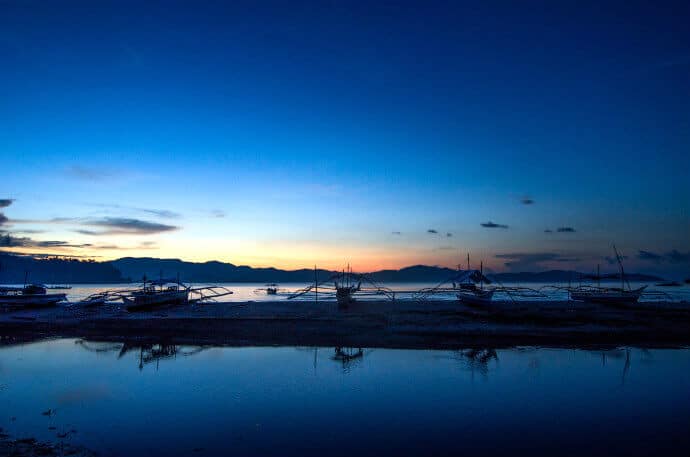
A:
399, 324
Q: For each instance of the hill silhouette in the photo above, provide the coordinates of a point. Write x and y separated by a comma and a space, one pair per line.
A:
131, 269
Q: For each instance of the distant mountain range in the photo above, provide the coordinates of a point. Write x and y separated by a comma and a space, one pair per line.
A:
130, 269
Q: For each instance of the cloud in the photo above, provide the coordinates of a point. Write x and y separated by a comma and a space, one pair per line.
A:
523, 261
647, 255
125, 226
8, 241
448, 235
3, 219
162, 213
396, 233
5, 202
548, 231
673, 256
432, 231
90, 174
218, 213
565, 230
444, 248
526, 201
678, 257
493, 225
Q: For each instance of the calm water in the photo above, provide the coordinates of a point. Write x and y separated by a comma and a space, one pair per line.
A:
302, 401
245, 291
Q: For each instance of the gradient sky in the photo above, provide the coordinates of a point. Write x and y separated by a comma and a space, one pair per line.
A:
292, 134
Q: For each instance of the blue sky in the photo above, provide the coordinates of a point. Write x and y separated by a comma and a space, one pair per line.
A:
294, 133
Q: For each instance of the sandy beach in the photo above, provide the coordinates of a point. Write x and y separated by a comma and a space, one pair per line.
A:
399, 324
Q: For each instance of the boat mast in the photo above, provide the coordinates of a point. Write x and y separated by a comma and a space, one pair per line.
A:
620, 265
481, 274
468, 261
316, 286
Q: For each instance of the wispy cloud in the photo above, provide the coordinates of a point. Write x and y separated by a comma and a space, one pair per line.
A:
3, 219
217, 213
548, 231
527, 201
92, 174
162, 213
396, 233
565, 230
432, 231
493, 225
448, 235
124, 226
673, 256
5, 202
8, 241
523, 261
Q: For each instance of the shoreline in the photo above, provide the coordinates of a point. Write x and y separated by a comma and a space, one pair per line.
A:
399, 324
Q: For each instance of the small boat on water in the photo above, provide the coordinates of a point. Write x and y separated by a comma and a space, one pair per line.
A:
30, 295
608, 295
157, 293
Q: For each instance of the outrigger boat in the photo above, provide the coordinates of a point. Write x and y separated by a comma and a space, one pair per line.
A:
157, 293
31, 295
608, 295
465, 286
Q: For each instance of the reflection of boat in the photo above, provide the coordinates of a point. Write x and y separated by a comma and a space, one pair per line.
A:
58, 287
608, 295
31, 295
157, 293
346, 354
669, 284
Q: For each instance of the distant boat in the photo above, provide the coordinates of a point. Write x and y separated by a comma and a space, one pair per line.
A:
157, 293
669, 284
608, 295
58, 287
31, 295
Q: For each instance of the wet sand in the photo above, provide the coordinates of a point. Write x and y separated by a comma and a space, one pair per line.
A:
399, 324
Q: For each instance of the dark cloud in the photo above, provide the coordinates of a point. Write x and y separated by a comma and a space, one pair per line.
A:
524, 261
493, 225
432, 231
678, 257
5, 202
565, 230
548, 231
449, 234
9, 241
647, 255
396, 233
673, 256
125, 226
527, 201
3, 219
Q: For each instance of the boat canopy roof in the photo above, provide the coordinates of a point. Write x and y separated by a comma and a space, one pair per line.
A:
471, 276
163, 281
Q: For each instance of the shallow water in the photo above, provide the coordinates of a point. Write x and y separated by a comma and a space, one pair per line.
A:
183, 400
256, 291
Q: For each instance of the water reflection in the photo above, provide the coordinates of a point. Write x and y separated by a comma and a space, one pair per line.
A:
349, 357
148, 353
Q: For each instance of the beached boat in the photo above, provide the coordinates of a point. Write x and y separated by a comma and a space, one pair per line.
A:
608, 295
31, 295
467, 291
157, 293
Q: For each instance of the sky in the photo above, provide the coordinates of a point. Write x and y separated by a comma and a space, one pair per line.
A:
379, 134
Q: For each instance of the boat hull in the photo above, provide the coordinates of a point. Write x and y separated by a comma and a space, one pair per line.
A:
31, 300
144, 300
611, 297
476, 297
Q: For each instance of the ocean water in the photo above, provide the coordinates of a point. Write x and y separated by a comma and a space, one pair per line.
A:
256, 292
289, 401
